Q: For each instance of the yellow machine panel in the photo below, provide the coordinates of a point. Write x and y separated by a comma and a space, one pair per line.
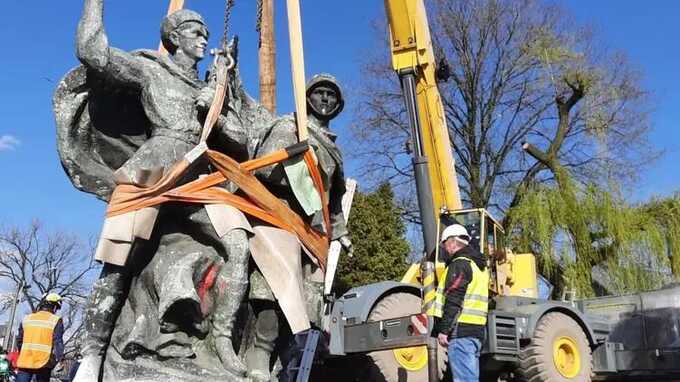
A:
516, 275
414, 273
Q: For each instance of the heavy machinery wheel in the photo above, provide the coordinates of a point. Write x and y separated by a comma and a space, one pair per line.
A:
401, 365
559, 352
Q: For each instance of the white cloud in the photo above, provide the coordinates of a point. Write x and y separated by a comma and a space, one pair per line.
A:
8, 142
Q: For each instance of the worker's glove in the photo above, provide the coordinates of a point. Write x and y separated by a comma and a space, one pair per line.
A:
347, 245
205, 98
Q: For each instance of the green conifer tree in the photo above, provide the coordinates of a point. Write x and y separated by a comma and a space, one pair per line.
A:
377, 233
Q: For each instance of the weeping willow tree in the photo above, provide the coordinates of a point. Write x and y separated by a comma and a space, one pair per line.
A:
666, 212
587, 237
589, 240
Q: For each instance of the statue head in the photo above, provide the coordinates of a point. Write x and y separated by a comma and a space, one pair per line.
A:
324, 97
185, 30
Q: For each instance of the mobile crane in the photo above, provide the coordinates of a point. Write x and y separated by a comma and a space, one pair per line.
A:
528, 339
371, 309
367, 318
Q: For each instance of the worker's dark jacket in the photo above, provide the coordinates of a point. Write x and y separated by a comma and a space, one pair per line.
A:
457, 279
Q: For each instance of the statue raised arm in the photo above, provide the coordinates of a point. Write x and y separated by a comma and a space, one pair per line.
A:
93, 50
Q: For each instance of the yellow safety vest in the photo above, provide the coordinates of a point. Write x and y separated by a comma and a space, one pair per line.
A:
476, 302
36, 348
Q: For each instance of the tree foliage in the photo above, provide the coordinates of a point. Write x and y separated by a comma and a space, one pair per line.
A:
665, 212
520, 71
377, 232
590, 240
44, 263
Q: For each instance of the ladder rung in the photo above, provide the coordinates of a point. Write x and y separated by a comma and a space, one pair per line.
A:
305, 366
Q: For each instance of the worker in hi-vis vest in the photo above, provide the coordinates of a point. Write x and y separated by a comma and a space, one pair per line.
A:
463, 303
40, 341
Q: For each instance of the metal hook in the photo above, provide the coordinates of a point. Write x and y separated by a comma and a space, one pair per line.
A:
226, 54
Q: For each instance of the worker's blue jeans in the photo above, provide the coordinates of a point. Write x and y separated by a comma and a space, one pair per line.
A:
464, 358
41, 375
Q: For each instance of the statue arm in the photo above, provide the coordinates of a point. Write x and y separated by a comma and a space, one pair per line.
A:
335, 195
231, 130
331, 166
230, 137
338, 221
93, 50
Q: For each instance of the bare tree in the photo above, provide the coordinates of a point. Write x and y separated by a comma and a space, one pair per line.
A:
45, 263
521, 71
5, 301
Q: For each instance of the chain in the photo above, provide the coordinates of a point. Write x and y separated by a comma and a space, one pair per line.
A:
227, 17
258, 13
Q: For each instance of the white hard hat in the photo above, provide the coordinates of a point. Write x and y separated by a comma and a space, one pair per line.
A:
456, 231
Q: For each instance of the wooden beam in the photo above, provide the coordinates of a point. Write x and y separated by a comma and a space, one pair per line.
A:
298, 66
267, 55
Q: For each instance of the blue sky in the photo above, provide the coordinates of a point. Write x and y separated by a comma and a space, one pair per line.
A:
39, 49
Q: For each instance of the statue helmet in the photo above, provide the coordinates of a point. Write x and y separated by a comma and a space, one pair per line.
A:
330, 81
172, 21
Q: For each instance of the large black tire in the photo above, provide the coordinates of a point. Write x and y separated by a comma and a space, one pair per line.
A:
383, 365
559, 352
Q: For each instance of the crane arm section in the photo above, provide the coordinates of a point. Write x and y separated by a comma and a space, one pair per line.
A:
412, 52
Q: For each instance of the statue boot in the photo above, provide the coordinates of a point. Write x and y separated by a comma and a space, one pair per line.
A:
259, 354
234, 275
106, 301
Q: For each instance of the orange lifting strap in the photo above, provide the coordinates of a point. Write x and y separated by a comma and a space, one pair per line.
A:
260, 203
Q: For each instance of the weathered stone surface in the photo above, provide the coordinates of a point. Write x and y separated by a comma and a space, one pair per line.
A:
91, 150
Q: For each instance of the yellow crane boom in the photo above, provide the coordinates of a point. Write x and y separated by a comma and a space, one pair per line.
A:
412, 50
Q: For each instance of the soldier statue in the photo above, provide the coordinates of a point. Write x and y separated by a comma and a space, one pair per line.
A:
324, 102
173, 104
175, 274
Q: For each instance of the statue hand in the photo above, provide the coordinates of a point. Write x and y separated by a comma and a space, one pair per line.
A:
205, 98
347, 245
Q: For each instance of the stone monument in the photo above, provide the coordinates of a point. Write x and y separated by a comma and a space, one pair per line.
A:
141, 131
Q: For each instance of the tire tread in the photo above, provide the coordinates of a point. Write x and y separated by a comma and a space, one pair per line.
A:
533, 358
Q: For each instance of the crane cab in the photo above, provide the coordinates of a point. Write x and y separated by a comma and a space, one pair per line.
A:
512, 274
486, 233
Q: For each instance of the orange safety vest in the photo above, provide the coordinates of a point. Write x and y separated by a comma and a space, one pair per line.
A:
36, 348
